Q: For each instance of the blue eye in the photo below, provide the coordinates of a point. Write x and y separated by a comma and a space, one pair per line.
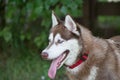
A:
60, 41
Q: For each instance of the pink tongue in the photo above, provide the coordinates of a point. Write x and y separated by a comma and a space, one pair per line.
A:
53, 67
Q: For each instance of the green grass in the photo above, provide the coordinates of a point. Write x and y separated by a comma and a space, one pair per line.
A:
25, 67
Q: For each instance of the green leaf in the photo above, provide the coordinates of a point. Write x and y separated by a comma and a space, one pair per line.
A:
22, 37
37, 41
63, 10
7, 36
38, 10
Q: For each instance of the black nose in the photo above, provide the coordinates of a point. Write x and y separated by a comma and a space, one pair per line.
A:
44, 55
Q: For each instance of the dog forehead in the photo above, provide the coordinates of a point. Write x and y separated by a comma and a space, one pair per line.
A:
63, 32
56, 37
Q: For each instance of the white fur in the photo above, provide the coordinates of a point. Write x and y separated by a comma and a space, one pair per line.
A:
111, 41
118, 55
93, 73
75, 70
71, 25
57, 49
58, 37
116, 51
51, 37
54, 20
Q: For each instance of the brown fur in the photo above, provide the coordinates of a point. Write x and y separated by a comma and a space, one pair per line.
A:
102, 55
66, 34
116, 38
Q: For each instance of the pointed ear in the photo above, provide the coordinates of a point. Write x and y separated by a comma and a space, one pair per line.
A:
55, 21
71, 25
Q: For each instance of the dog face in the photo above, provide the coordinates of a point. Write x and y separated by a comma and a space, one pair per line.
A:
64, 45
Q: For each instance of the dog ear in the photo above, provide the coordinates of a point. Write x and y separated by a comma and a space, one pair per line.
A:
55, 20
71, 25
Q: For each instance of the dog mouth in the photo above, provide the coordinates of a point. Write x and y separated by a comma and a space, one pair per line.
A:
56, 64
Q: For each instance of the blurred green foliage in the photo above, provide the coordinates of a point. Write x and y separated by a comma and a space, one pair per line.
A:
110, 21
21, 14
27, 24
103, 0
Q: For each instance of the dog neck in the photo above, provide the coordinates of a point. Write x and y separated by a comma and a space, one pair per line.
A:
87, 40
79, 61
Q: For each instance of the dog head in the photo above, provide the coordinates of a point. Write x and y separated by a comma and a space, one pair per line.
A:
64, 44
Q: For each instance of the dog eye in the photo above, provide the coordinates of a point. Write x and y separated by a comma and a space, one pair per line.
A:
60, 41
